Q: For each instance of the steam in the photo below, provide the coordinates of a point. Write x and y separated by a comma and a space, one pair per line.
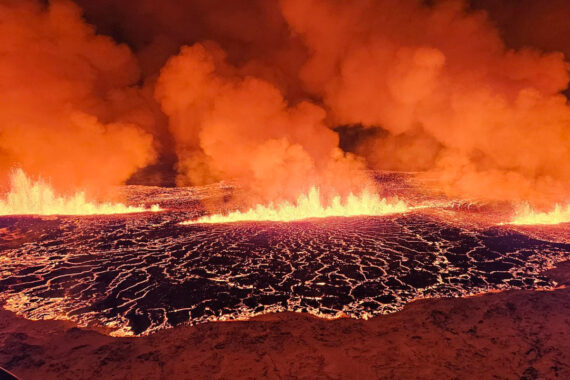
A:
58, 84
491, 120
227, 125
252, 91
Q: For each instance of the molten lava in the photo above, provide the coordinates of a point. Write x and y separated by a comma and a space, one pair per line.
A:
310, 206
27, 197
525, 215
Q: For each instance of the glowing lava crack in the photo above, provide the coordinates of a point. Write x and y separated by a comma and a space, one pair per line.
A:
310, 206
38, 198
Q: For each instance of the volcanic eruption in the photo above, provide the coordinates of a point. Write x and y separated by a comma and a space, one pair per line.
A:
37, 198
168, 163
434, 86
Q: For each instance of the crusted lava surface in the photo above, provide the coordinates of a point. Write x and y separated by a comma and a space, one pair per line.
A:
134, 274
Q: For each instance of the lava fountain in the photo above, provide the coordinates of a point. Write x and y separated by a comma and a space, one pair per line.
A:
310, 206
525, 215
28, 197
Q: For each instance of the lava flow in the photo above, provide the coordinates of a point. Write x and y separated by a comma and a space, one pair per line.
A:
310, 206
137, 274
27, 197
525, 215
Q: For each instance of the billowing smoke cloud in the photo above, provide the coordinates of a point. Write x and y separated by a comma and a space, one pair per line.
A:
488, 121
253, 34
68, 112
261, 87
227, 125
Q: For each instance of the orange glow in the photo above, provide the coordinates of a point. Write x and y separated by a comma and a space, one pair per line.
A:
27, 197
525, 215
310, 206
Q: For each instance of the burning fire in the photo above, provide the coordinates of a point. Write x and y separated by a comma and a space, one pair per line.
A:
525, 215
27, 197
310, 206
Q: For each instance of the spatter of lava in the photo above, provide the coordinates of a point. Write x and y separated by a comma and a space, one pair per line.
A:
311, 206
525, 215
27, 197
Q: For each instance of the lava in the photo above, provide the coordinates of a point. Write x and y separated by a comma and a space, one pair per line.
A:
133, 275
310, 206
525, 215
27, 197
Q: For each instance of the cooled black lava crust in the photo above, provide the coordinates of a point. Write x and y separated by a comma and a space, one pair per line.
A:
142, 272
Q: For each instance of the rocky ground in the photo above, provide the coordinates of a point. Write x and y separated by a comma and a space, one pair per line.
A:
518, 334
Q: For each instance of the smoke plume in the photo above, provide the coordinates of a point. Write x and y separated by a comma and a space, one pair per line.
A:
227, 125
488, 121
252, 33
469, 93
68, 110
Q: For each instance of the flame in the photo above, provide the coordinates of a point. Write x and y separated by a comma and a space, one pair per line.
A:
309, 206
27, 197
525, 215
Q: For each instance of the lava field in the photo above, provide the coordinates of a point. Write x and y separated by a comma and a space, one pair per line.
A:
134, 274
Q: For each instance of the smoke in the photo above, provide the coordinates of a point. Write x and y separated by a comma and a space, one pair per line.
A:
228, 125
256, 91
68, 112
253, 34
487, 121
541, 24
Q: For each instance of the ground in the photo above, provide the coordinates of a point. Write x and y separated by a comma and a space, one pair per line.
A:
516, 334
